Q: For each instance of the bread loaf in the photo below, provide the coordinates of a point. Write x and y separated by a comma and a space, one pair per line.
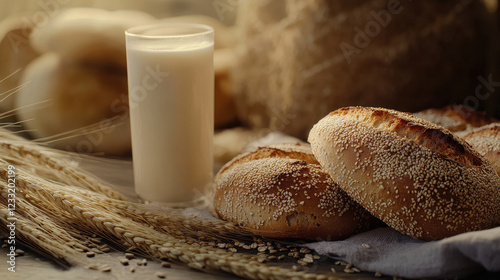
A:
415, 176
486, 140
282, 192
75, 107
455, 118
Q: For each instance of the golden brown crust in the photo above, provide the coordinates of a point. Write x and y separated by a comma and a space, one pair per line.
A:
282, 192
486, 140
456, 117
414, 175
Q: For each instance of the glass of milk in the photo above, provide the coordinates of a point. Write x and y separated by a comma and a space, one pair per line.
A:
171, 99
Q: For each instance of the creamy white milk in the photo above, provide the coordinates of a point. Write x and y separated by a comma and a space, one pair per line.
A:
171, 106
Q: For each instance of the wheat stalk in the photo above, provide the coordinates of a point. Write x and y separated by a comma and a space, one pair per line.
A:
49, 164
78, 204
149, 241
42, 241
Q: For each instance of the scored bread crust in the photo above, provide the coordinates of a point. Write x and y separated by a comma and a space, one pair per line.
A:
486, 140
415, 176
281, 191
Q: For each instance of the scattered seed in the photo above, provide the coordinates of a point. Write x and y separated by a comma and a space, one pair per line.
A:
4, 245
90, 254
166, 264
93, 266
302, 262
95, 250
349, 265
367, 246
161, 275
105, 268
305, 251
281, 257
356, 269
96, 240
124, 261
262, 249
333, 270
20, 252
378, 274
129, 256
348, 270
132, 269
308, 259
144, 262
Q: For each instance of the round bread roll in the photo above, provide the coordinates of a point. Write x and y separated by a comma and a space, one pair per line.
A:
81, 108
88, 34
282, 192
455, 118
486, 140
415, 176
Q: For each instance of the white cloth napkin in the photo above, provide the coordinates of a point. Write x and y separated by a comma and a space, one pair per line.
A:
395, 254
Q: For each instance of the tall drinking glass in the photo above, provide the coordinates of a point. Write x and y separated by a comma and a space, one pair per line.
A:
171, 99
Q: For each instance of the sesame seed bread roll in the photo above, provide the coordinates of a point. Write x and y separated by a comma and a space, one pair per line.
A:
455, 118
415, 176
281, 191
486, 140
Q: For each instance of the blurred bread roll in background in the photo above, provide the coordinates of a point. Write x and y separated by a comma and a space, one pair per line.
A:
15, 54
73, 104
299, 60
455, 118
224, 106
88, 34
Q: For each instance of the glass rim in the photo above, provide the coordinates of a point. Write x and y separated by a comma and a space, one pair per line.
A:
135, 30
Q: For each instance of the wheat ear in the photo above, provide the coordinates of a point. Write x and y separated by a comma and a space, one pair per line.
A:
148, 240
51, 165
